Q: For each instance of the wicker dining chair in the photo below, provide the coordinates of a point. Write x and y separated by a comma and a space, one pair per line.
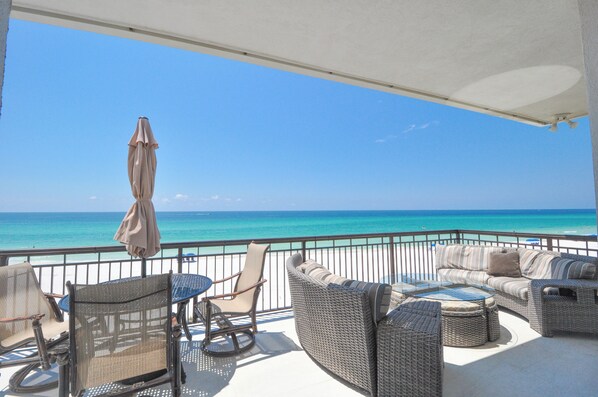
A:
28, 316
122, 338
220, 310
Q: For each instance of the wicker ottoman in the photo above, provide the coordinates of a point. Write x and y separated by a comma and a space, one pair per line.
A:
409, 346
468, 323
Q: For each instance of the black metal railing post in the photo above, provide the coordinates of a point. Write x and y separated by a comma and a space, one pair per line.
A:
179, 259
393, 268
457, 237
303, 249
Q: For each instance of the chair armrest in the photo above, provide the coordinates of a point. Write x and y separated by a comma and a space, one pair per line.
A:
233, 294
227, 278
52, 300
23, 318
177, 331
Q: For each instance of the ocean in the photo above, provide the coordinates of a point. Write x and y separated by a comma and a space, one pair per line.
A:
86, 229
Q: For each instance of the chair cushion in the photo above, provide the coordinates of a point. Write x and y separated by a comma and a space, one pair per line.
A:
378, 294
50, 328
504, 264
463, 276
513, 286
308, 266
316, 271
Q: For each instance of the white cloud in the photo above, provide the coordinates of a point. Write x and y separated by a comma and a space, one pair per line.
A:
429, 124
181, 197
410, 128
165, 200
385, 139
238, 200
423, 126
215, 197
93, 197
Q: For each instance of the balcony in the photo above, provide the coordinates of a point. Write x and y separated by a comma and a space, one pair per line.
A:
520, 363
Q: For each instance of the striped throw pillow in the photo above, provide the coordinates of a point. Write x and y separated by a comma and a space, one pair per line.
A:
378, 294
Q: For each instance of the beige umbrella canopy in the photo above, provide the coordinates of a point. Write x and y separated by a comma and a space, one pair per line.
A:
139, 229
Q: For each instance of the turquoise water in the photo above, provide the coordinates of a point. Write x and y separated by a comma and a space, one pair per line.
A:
50, 230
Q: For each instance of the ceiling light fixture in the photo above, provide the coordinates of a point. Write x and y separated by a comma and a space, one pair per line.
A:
572, 124
559, 117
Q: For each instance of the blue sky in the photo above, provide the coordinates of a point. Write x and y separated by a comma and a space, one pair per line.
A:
235, 136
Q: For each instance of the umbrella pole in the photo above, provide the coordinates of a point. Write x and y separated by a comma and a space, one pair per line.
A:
143, 268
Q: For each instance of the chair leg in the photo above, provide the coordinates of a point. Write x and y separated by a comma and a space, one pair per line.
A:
64, 371
208, 324
63, 384
178, 374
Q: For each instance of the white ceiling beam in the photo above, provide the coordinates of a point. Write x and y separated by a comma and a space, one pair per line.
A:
4, 13
588, 11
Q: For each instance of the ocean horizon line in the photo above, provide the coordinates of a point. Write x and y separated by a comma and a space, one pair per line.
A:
319, 210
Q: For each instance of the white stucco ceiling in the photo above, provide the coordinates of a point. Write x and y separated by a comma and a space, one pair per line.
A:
515, 59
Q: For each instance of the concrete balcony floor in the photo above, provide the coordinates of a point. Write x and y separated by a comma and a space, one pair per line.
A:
520, 363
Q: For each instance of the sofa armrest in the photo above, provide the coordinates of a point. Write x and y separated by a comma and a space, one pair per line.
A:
584, 289
541, 308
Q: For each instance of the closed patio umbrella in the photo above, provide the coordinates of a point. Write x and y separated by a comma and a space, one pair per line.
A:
139, 229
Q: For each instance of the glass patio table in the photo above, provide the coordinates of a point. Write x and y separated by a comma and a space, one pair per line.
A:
184, 288
469, 312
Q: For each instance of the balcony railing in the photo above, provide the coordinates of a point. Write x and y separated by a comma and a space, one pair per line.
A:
366, 257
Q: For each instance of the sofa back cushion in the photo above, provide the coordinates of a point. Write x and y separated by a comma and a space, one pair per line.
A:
378, 295
466, 257
563, 268
536, 264
318, 272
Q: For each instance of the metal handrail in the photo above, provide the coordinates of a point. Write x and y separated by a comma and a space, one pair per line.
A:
367, 257
212, 243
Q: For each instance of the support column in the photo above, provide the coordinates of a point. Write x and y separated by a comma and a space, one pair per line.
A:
588, 13
4, 13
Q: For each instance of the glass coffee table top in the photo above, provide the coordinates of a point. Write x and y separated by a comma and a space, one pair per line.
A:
439, 290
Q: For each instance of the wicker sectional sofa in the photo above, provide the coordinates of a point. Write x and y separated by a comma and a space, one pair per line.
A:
556, 291
343, 325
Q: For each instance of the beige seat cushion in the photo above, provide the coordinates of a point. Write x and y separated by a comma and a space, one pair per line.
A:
513, 286
464, 276
227, 306
50, 329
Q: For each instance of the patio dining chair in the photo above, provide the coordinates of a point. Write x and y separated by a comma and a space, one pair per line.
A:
28, 317
221, 310
123, 339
